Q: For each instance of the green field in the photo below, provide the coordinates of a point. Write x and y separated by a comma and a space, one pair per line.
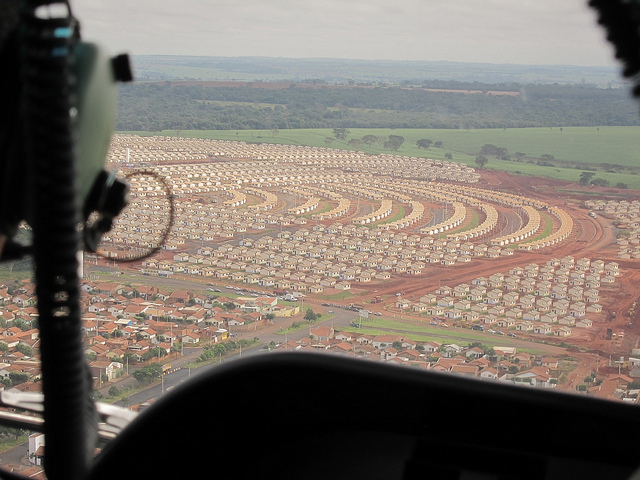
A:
337, 296
614, 152
428, 333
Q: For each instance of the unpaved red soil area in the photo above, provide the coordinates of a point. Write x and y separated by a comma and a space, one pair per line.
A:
591, 238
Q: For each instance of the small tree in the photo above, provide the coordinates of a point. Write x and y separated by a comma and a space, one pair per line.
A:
149, 373
488, 149
340, 133
481, 161
424, 143
369, 139
18, 377
311, 316
394, 142
21, 324
585, 177
24, 349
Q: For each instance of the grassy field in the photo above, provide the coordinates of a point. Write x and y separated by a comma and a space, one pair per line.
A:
428, 333
614, 152
337, 296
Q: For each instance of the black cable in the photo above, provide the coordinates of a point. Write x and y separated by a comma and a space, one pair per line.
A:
48, 100
93, 233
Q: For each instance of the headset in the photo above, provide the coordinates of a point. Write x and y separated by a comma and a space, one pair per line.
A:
62, 104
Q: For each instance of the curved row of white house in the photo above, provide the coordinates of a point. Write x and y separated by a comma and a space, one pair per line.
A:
417, 212
459, 214
566, 227
237, 198
270, 200
308, 206
491, 214
338, 211
490, 222
314, 192
531, 227
497, 197
384, 210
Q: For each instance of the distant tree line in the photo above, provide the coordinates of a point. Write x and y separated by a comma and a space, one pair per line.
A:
163, 106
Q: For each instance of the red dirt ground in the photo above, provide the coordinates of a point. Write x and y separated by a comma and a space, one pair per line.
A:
591, 238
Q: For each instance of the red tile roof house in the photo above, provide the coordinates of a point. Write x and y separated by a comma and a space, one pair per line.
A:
465, 370
181, 296
385, 340
322, 333
134, 310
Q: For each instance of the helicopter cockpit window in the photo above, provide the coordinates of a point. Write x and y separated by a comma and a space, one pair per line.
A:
445, 187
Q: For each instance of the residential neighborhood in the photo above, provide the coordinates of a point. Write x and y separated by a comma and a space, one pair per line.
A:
126, 325
500, 364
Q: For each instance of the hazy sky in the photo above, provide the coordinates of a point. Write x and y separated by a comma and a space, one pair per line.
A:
491, 31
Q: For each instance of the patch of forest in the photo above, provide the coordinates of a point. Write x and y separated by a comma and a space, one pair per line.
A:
166, 106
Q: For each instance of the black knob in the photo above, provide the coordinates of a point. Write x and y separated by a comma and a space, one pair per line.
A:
122, 68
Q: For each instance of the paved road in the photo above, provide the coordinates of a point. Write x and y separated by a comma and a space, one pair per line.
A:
15, 456
266, 335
